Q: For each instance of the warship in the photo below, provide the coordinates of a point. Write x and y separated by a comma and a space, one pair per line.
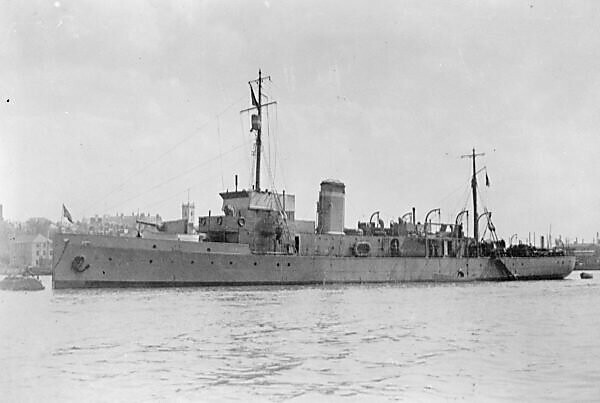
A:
257, 240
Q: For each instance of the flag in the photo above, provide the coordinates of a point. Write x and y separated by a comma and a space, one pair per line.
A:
254, 101
487, 180
67, 215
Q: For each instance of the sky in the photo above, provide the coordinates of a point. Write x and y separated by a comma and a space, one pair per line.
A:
120, 107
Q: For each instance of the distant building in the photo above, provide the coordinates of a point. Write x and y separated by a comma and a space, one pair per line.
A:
188, 213
587, 255
30, 250
6, 232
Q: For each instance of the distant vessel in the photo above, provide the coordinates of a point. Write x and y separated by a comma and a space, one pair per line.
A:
258, 240
21, 282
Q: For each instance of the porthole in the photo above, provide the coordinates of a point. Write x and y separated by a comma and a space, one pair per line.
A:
150, 261
192, 262
110, 259
254, 263
212, 262
153, 246
208, 249
277, 264
289, 264
230, 262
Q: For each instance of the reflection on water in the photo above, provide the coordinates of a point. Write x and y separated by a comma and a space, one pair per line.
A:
483, 341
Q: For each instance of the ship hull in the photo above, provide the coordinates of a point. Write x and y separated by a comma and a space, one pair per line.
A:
91, 261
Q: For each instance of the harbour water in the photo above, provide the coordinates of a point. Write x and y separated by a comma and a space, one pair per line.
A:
510, 341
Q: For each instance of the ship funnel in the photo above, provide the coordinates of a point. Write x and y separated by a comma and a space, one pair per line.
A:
330, 208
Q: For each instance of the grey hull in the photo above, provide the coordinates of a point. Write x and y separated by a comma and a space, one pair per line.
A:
92, 261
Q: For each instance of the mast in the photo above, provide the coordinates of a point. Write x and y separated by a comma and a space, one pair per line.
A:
474, 189
258, 132
257, 122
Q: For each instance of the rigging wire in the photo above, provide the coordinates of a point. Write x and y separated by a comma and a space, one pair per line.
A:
275, 143
174, 195
248, 152
277, 131
279, 206
466, 197
451, 193
453, 204
220, 159
269, 150
274, 139
271, 162
460, 203
175, 177
155, 160
271, 177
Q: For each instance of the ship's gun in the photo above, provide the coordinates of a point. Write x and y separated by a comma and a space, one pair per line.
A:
169, 227
159, 227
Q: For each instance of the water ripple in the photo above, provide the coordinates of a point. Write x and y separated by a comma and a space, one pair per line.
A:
391, 342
